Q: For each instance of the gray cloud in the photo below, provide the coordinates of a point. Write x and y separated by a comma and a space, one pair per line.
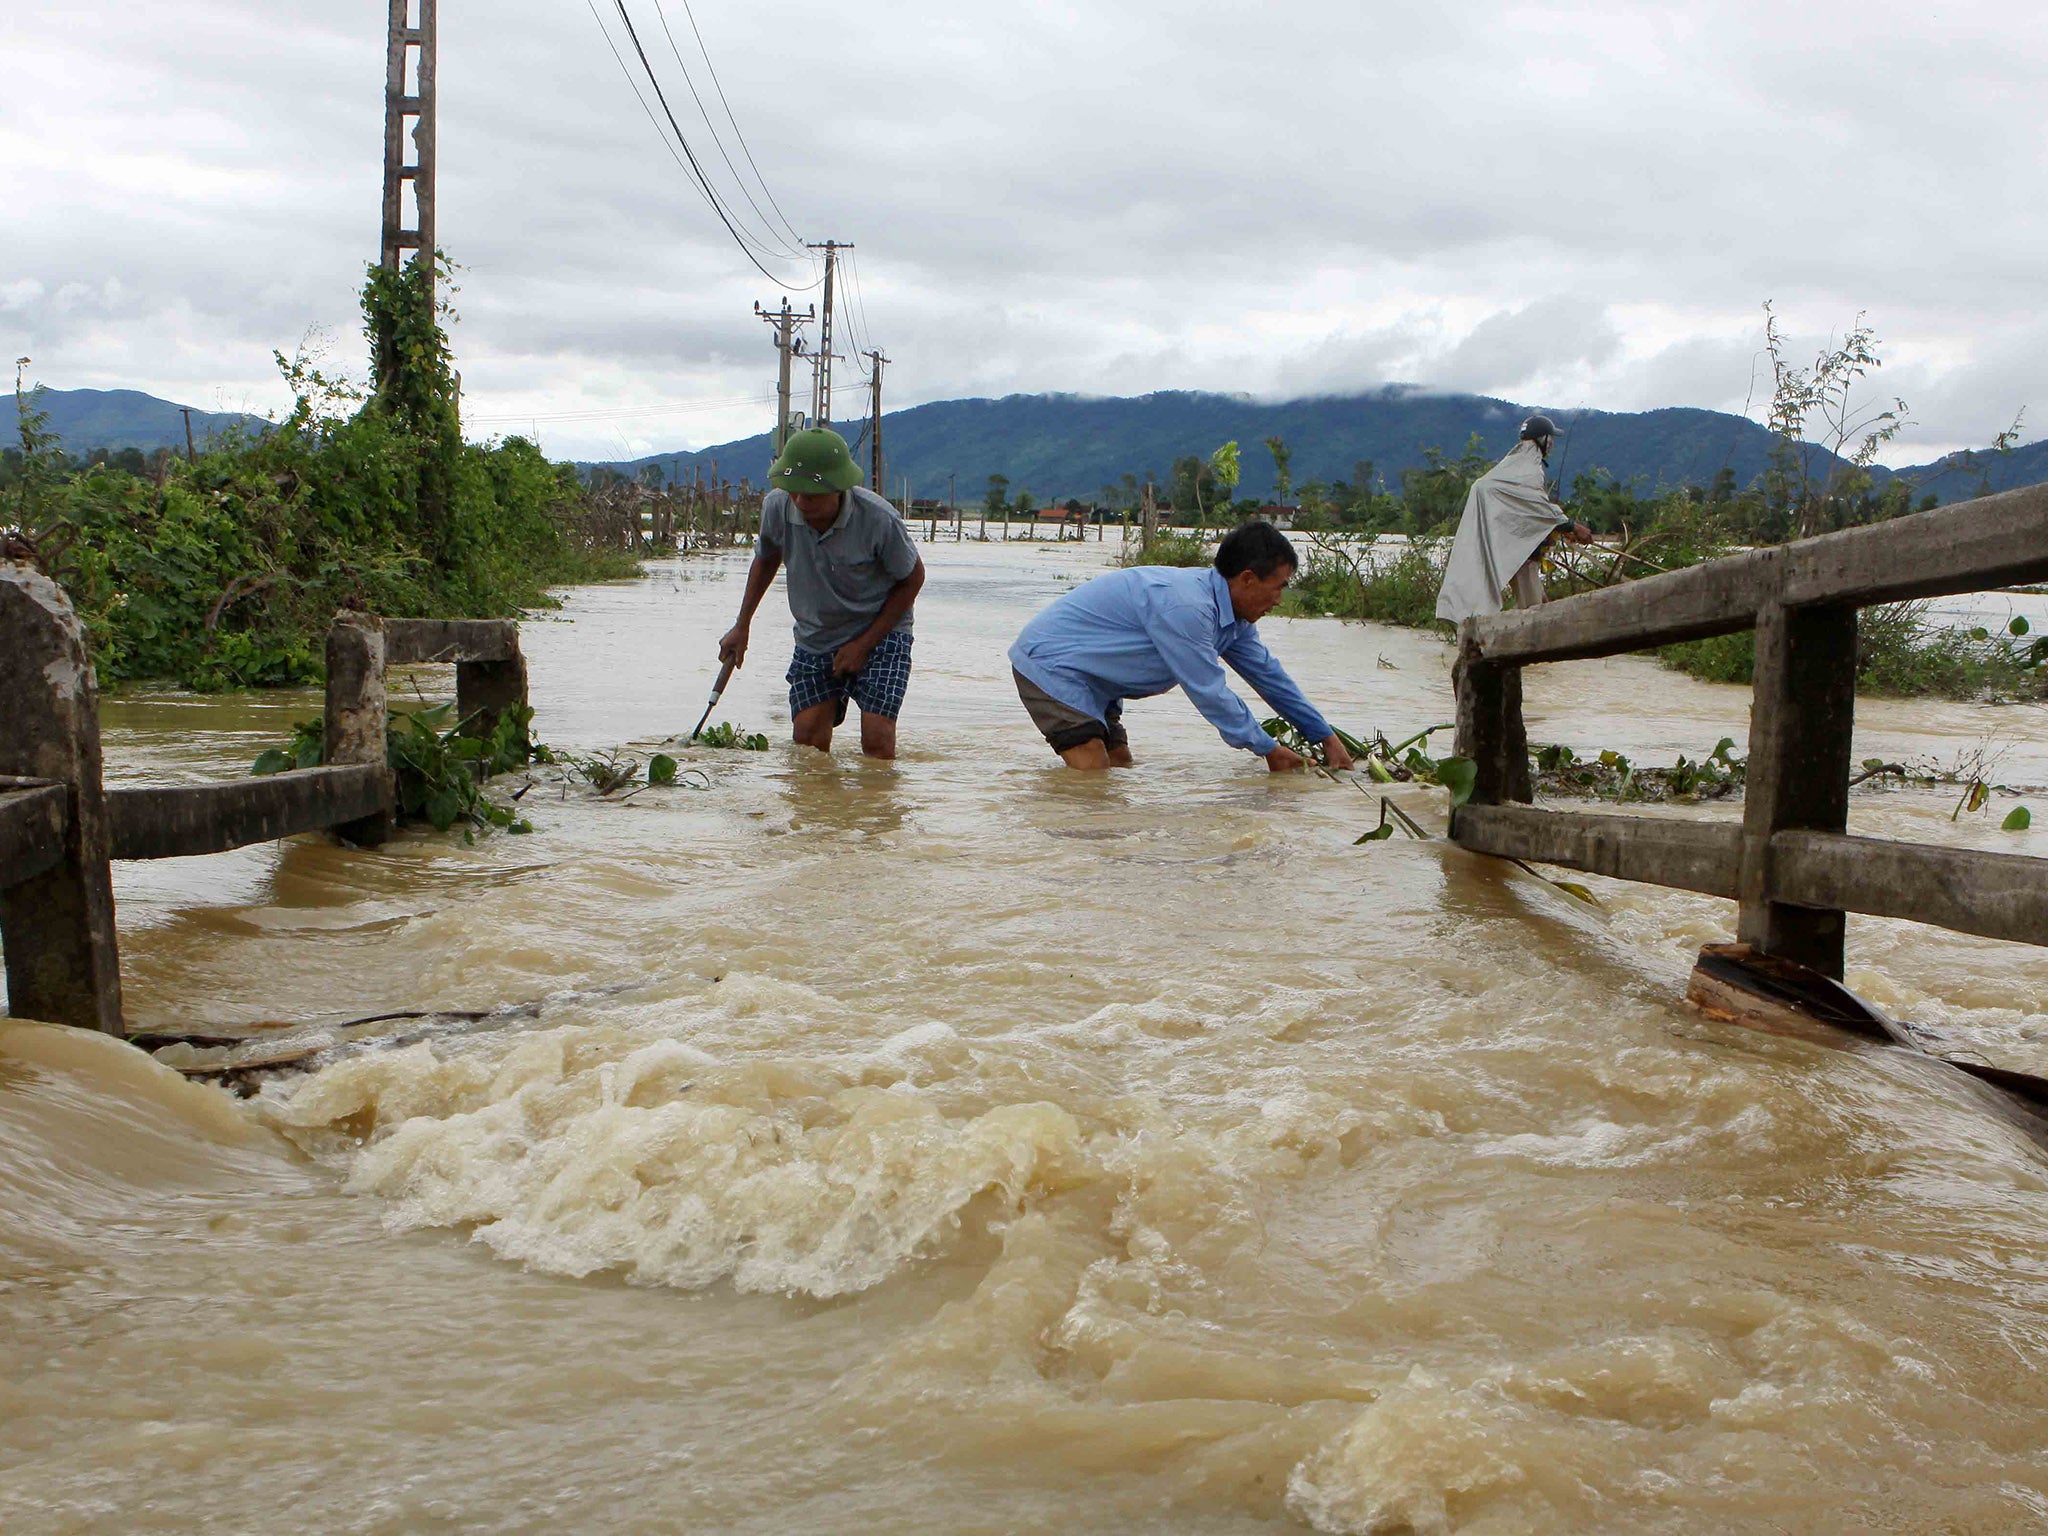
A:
1133, 195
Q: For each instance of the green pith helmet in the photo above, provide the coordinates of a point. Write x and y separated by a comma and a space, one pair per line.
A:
814, 462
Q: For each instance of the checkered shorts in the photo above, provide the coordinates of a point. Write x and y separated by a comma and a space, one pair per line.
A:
878, 687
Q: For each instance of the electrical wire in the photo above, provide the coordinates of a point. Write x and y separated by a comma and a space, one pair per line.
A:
860, 302
857, 316
720, 87
748, 241
745, 240
703, 112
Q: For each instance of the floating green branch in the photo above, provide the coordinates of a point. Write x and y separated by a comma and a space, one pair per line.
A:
726, 734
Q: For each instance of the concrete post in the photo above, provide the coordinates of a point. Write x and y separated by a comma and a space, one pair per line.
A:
1800, 721
484, 690
356, 711
63, 961
1490, 728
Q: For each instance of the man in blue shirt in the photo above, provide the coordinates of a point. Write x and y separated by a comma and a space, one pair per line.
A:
1134, 633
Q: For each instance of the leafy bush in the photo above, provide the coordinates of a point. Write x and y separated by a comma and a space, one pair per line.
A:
440, 770
1352, 582
1899, 654
1170, 547
225, 571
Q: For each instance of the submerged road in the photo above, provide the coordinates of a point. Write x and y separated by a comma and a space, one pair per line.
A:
964, 1145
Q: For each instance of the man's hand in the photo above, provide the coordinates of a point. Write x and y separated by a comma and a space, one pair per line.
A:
733, 646
1578, 533
1334, 753
1283, 759
852, 656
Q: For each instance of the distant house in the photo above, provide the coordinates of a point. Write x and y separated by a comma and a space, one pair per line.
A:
1278, 516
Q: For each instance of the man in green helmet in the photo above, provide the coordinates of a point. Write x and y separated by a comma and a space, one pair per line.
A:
853, 576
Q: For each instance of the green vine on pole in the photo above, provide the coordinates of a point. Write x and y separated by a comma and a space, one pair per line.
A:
412, 382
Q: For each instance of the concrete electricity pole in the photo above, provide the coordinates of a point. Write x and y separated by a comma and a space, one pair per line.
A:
875, 422
410, 55
785, 321
821, 380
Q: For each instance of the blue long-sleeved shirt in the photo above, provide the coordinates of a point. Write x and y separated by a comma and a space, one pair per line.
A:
1134, 633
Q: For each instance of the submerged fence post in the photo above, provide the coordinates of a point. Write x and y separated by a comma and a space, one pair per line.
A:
63, 961
1800, 722
1490, 728
356, 711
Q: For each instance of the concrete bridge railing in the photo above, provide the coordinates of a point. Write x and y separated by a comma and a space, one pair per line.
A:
60, 826
1790, 864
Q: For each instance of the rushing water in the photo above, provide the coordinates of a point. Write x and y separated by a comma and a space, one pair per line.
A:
966, 1145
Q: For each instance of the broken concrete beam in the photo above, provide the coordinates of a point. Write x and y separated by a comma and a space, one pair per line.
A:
407, 641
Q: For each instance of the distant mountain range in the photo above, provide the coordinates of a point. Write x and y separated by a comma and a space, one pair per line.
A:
85, 419
1057, 446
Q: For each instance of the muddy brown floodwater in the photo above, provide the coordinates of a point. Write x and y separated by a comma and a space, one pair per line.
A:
969, 1146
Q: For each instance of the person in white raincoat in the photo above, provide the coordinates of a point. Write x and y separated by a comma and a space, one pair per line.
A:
1508, 518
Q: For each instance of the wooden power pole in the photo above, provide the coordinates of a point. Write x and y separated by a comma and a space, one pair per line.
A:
875, 423
409, 97
785, 321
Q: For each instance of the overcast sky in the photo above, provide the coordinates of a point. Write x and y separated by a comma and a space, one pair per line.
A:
1582, 205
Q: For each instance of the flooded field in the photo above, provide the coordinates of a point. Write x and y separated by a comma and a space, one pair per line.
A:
966, 1145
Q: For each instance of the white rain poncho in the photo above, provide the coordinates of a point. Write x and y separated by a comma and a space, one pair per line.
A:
1508, 513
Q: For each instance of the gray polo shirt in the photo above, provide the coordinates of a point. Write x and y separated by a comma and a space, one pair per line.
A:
839, 579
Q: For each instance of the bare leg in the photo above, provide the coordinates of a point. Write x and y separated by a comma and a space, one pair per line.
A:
813, 727
877, 735
1120, 757
1089, 756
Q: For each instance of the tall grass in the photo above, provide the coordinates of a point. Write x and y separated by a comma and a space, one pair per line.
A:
1368, 582
1899, 654
1169, 546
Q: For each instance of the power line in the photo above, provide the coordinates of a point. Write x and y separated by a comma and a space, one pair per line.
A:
766, 191
738, 180
746, 242
860, 302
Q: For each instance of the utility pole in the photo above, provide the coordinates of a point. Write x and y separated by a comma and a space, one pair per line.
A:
821, 381
410, 54
875, 422
785, 322
191, 453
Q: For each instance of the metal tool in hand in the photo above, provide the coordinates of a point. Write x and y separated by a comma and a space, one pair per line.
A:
724, 677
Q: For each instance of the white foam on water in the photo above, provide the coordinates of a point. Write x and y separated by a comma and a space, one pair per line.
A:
588, 1149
